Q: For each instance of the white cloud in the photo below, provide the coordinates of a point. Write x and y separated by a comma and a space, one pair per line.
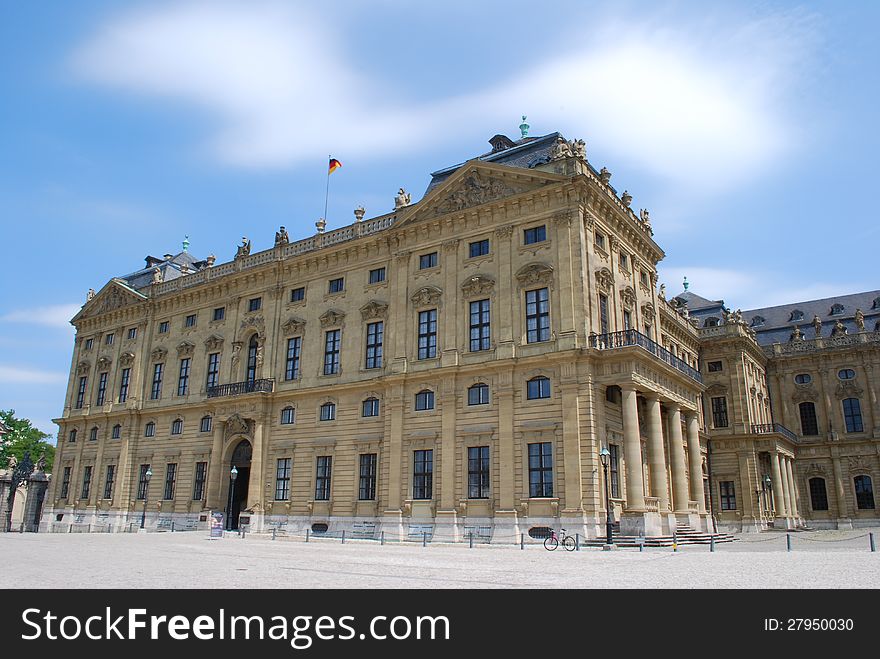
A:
57, 315
24, 375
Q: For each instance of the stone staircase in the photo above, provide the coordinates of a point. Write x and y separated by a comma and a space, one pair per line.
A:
684, 535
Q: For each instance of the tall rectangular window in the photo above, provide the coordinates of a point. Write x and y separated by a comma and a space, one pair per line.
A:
852, 415
428, 334
535, 235
719, 412
291, 366
298, 294
614, 470
108, 481
282, 479
156, 389
102, 389
183, 378
537, 315
603, 314
428, 261
323, 470
163, 327
728, 495
201, 476
108, 340
809, 422
170, 480
336, 285
213, 378
331, 352
478, 472
377, 275
87, 482
142, 482
81, 392
541, 469
255, 303
65, 484
219, 314
478, 248
367, 480
190, 320
479, 325
375, 337
627, 320
124, 379
423, 474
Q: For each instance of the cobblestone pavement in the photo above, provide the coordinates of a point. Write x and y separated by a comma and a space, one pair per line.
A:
191, 560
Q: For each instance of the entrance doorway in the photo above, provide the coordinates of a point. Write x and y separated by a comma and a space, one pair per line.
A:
238, 487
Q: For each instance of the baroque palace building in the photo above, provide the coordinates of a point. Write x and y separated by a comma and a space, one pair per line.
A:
456, 366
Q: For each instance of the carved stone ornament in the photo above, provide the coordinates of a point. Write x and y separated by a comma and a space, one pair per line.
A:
648, 310
475, 190
294, 325
716, 390
402, 199
628, 296
104, 363
126, 358
254, 323
477, 285
839, 329
374, 309
83, 368
111, 299
535, 273
804, 394
450, 245
561, 149
186, 349
426, 296
815, 469
158, 354
504, 231
604, 279
858, 463
332, 318
236, 352
860, 320
848, 390
236, 425
214, 342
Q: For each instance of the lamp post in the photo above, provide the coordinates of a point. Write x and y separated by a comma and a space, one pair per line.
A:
768, 491
148, 474
233, 474
604, 456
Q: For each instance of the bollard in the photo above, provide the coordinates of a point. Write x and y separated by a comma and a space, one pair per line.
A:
641, 547
424, 539
343, 536
788, 541
871, 539
471, 539
382, 538
711, 543
274, 529
172, 526
674, 546
522, 541
307, 535
577, 541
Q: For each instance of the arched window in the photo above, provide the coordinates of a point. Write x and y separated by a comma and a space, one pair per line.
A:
252, 359
846, 374
93, 434
328, 412
818, 494
150, 429
177, 426
712, 321
852, 415
864, 492
288, 415
803, 378
425, 400
478, 394
371, 407
117, 432
538, 387
809, 422
206, 424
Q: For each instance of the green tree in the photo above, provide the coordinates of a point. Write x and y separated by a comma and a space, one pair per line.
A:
23, 437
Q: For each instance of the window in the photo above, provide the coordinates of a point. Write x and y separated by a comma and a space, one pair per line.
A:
177, 426
288, 415
213, 378
190, 321
478, 472
712, 321
428, 261
170, 480
614, 470
65, 483
328, 412
116, 433
809, 422
156, 390
322, 477
142, 482
336, 285
102, 389
253, 349
108, 340
183, 378
728, 495
603, 314
89, 344
367, 481
719, 412
478, 394
797, 314
93, 434
715, 367
757, 321
199, 481
423, 474
478, 248
298, 294
71, 437
479, 325
163, 327
81, 392
428, 334
377, 276
425, 400
87, 482
291, 365
537, 315
852, 415
132, 334
627, 320
109, 478
538, 387
331, 352
846, 374
254, 304
540, 470
600, 240
371, 407
206, 424
375, 338
535, 235
623, 260
803, 378
864, 492
123, 384
643, 277
219, 314
150, 429
282, 479
818, 494
836, 309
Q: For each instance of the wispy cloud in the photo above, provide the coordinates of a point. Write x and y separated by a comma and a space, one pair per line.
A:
25, 375
57, 315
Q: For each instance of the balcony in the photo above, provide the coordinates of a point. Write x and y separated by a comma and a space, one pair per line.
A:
631, 337
767, 428
264, 386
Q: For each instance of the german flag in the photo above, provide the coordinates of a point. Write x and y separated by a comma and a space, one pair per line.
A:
334, 165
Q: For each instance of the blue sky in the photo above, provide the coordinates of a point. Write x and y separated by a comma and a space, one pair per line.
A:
748, 129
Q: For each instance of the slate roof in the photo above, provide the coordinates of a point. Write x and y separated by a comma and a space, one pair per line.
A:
170, 268
696, 303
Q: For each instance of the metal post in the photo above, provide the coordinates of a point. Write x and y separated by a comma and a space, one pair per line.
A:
522, 541
424, 539
608, 523
471, 539
307, 535
274, 529
172, 526
382, 537
871, 539
788, 541
711, 543
577, 541
343, 536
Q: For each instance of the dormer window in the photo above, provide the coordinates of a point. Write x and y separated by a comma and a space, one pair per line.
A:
712, 321
797, 314
876, 304
836, 309
758, 321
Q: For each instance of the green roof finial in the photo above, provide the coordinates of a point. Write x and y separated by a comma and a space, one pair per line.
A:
524, 127
185, 243
686, 284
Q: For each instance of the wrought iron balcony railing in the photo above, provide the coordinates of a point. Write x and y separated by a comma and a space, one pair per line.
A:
767, 428
266, 385
632, 337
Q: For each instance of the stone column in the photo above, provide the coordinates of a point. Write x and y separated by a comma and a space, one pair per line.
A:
216, 472
786, 490
778, 499
695, 461
679, 468
632, 450
571, 449
656, 454
792, 485
872, 399
844, 521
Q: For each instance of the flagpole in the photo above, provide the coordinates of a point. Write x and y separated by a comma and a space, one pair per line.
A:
327, 192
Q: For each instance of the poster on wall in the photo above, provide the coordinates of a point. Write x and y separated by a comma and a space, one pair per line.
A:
216, 525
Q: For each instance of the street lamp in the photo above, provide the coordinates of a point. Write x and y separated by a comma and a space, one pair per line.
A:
604, 456
148, 474
768, 493
233, 474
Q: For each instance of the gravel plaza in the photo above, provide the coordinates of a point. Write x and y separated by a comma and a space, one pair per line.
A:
819, 559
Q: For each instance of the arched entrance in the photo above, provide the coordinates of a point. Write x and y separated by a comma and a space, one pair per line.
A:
238, 488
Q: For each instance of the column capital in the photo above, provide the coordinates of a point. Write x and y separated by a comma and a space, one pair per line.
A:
651, 395
628, 386
672, 406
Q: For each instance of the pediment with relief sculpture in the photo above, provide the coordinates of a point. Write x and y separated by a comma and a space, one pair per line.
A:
115, 295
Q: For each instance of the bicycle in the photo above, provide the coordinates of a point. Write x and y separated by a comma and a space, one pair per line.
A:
552, 541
